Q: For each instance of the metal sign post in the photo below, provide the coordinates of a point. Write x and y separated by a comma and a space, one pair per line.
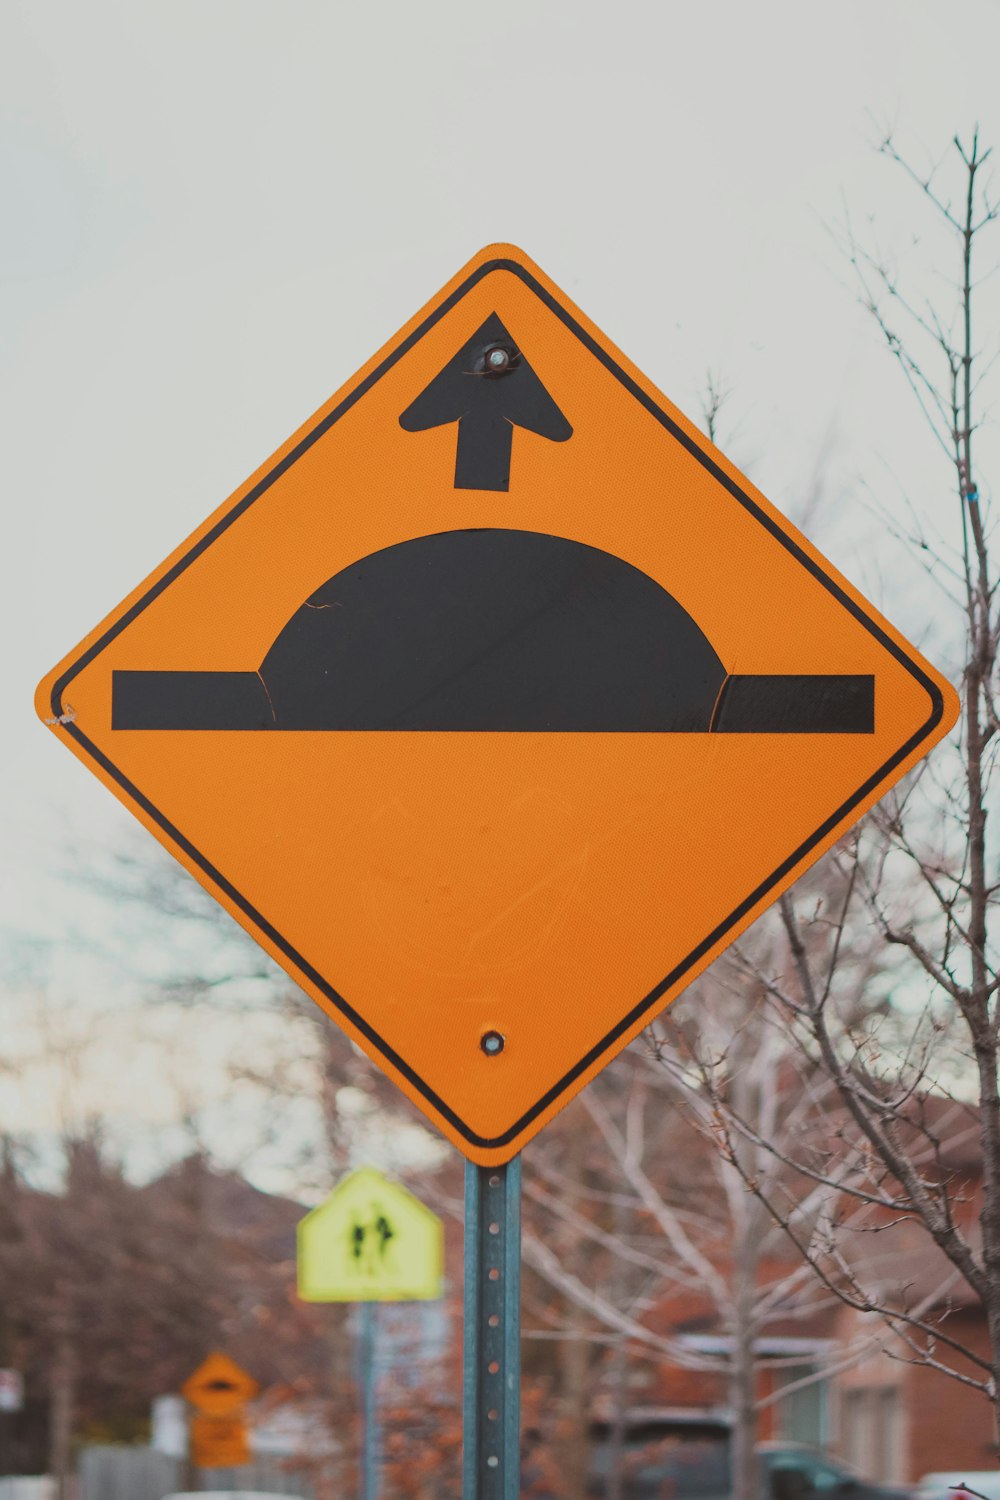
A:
369, 1407
371, 1241
491, 1424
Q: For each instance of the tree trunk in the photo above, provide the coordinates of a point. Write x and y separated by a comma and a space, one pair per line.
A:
619, 1380
574, 1360
742, 1392
575, 1404
746, 1222
616, 1446
63, 1399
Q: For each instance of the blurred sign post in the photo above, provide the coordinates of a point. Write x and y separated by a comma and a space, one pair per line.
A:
219, 1390
371, 1241
501, 661
11, 1402
11, 1390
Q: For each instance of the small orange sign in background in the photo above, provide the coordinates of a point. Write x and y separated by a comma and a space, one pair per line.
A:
494, 910
219, 1442
219, 1386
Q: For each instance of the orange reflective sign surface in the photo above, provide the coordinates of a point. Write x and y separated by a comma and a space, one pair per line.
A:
496, 704
219, 1442
219, 1386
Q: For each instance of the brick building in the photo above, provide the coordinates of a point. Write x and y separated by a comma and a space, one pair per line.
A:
838, 1379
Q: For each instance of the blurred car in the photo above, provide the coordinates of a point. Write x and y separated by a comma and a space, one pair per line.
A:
939, 1486
227, 1495
794, 1472
701, 1471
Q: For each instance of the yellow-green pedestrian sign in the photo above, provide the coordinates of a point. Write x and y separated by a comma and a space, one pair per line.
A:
371, 1241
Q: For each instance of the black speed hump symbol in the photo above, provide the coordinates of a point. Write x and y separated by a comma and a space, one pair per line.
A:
493, 630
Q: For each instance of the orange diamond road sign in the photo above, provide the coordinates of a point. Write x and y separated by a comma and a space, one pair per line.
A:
496, 703
219, 1387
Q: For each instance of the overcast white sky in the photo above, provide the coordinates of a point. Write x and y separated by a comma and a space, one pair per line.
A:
214, 210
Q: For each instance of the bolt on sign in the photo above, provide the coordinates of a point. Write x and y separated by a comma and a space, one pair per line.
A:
496, 703
219, 1387
370, 1241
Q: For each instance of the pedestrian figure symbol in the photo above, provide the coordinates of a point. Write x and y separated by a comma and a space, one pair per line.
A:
369, 1241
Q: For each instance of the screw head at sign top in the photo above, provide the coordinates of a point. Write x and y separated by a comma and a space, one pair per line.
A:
499, 359
492, 1043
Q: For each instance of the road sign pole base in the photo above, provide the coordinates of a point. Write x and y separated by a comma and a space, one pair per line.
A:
491, 1449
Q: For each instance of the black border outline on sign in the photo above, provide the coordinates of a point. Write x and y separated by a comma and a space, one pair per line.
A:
698, 952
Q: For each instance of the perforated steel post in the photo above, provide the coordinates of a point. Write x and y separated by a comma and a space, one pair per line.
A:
491, 1451
368, 1375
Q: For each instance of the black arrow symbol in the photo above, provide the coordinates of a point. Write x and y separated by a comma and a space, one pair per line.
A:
488, 388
